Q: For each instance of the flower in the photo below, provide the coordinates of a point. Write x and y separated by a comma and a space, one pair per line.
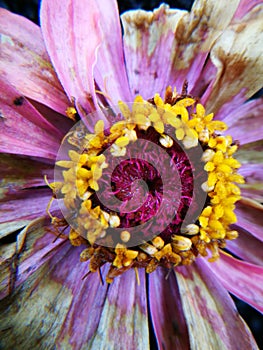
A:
217, 48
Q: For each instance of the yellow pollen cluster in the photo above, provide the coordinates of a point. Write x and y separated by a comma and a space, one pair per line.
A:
191, 127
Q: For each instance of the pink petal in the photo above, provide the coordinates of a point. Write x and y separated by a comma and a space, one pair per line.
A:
26, 205
110, 73
166, 311
243, 279
246, 121
25, 63
239, 66
246, 247
210, 313
250, 219
72, 40
23, 129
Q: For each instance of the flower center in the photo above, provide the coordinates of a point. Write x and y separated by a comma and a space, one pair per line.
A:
157, 187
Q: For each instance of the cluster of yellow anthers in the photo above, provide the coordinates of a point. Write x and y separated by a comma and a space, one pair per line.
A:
191, 125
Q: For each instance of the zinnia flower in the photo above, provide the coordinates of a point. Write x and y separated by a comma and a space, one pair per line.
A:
174, 283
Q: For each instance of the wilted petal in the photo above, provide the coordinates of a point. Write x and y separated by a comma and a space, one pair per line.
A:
243, 279
166, 311
34, 313
195, 35
7, 268
250, 217
168, 46
238, 56
246, 247
211, 316
33, 247
148, 38
23, 129
123, 323
25, 62
72, 313
72, 35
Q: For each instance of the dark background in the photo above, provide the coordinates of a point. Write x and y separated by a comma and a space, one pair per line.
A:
30, 9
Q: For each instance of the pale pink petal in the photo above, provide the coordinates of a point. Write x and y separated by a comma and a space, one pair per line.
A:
25, 62
72, 39
246, 6
23, 129
242, 279
245, 122
166, 311
238, 56
210, 313
168, 46
250, 218
109, 72
246, 247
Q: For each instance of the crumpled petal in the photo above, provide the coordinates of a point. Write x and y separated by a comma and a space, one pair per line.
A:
166, 311
168, 46
70, 312
25, 62
243, 279
211, 315
123, 323
34, 246
148, 38
23, 129
72, 40
238, 57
